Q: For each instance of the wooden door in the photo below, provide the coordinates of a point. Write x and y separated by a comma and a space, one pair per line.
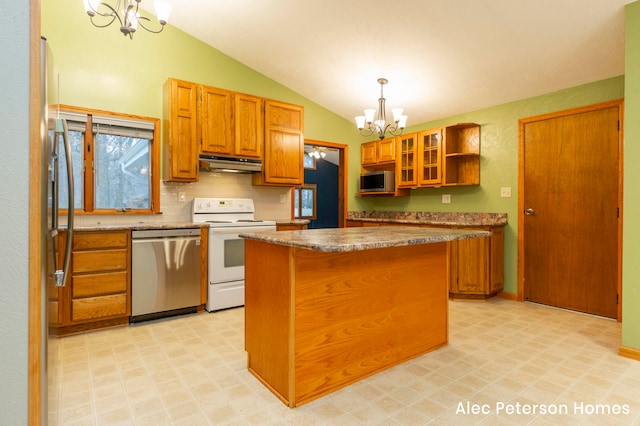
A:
569, 218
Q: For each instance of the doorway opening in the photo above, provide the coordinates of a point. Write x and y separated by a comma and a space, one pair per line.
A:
325, 184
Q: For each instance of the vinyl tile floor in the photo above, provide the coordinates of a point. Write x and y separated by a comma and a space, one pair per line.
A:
507, 363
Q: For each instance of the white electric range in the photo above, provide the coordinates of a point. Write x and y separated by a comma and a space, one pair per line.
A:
227, 218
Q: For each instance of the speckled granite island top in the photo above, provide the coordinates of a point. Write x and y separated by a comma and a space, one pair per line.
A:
356, 239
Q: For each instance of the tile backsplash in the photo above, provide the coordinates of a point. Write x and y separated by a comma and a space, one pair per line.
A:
267, 200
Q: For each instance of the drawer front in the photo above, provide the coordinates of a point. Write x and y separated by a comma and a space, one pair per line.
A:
99, 284
98, 240
95, 308
100, 260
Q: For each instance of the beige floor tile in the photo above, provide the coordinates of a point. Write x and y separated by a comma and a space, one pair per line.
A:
191, 370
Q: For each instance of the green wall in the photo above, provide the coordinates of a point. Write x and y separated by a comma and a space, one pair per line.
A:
498, 164
631, 210
100, 68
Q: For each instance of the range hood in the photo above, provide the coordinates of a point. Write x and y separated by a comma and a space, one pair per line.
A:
216, 163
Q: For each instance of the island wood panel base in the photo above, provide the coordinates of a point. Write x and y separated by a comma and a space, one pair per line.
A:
317, 322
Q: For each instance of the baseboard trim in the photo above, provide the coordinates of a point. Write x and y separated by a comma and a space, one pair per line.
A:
508, 296
629, 353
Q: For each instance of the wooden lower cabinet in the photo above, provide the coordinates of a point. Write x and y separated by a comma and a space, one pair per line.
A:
290, 226
98, 291
475, 266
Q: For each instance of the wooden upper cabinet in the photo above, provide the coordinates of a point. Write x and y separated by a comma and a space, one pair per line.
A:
407, 160
203, 119
231, 123
442, 156
180, 130
215, 118
461, 155
429, 157
248, 125
387, 150
369, 153
378, 152
283, 145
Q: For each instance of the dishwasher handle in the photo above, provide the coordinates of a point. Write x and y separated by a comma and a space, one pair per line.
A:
165, 233
157, 239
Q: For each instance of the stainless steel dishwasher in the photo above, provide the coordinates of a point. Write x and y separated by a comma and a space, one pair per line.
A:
165, 277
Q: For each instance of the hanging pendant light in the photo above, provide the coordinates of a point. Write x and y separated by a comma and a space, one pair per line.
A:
318, 152
126, 12
368, 126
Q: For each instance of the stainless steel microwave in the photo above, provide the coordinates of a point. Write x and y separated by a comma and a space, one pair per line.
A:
380, 181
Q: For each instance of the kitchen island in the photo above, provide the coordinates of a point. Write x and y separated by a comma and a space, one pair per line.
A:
327, 307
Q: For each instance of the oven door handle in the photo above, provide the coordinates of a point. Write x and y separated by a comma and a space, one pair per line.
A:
240, 230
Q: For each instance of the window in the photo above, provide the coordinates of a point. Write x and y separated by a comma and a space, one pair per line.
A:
304, 202
309, 162
116, 161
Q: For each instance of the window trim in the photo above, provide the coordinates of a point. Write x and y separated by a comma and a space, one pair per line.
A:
89, 173
297, 209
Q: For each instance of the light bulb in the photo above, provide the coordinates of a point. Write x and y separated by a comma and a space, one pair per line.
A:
163, 9
368, 113
91, 6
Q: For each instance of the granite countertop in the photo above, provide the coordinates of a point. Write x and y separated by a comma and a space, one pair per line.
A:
136, 226
355, 239
431, 218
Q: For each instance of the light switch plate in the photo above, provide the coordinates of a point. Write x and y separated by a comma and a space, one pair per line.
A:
505, 192
182, 197
446, 198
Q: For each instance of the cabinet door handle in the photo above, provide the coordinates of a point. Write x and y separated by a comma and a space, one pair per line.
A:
530, 212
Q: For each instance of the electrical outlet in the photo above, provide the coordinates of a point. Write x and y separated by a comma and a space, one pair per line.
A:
283, 198
505, 192
446, 198
182, 197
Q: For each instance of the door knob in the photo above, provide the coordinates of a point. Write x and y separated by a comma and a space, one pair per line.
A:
529, 212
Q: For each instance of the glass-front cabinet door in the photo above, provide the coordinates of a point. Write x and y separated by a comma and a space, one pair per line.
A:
430, 152
407, 160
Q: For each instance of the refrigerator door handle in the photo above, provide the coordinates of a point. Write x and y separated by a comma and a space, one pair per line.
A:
60, 275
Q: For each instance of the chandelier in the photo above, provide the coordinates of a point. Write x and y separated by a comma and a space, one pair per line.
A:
380, 125
130, 18
318, 152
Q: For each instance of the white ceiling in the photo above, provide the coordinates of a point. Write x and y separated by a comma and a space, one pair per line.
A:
441, 57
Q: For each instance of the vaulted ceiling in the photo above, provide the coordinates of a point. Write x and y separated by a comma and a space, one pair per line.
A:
441, 57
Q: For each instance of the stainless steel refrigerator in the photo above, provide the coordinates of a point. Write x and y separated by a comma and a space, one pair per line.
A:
55, 150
